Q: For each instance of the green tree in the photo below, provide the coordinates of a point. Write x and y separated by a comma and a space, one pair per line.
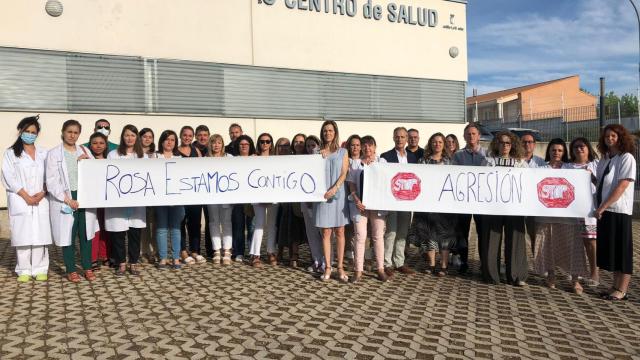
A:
628, 105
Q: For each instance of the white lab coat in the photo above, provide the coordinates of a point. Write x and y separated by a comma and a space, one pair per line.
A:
29, 224
58, 187
123, 218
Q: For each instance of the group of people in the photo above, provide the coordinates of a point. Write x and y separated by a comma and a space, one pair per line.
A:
42, 201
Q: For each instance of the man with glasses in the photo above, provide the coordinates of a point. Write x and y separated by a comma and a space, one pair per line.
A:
413, 142
471, 155
104, 127
534, 161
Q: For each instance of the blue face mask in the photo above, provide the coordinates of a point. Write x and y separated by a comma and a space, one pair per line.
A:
28, 138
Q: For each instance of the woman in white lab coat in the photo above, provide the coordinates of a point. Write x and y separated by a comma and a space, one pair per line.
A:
23, 178
126, 220
68, 220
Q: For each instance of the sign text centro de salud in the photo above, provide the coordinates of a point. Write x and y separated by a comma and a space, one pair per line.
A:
393, 12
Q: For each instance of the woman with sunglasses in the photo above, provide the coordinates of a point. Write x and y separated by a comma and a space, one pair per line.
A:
505, 150
265, 214
68, 220
23, 176
129, 221
557, 243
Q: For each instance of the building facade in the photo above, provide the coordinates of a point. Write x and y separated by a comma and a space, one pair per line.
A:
281, 66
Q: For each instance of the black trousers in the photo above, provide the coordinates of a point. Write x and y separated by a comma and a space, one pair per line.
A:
462, 240
118, 245
194, 223
515, 248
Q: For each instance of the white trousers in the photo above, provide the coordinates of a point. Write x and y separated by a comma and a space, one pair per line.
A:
220, 226
265, 217
32, 260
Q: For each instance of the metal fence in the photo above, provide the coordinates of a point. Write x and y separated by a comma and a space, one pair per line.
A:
566, 124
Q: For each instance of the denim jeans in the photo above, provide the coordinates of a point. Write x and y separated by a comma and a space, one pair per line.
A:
238, 223
168, 219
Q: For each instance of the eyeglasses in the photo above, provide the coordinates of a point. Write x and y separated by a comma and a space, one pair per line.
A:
504, 143
263, 142
528, 142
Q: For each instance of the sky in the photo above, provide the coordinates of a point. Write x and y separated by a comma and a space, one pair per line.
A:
513, 43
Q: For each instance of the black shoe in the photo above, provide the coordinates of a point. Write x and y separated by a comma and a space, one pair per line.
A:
464, 267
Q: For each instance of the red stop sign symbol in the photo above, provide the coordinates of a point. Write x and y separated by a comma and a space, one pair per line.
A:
556, 192
405, 186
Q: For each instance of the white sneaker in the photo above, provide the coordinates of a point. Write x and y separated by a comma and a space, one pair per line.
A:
239, 258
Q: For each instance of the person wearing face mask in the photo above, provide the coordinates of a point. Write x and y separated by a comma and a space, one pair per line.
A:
23, 176
103, 127
68, 220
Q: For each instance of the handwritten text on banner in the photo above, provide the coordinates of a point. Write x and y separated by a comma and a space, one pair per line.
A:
187, 181
478, 190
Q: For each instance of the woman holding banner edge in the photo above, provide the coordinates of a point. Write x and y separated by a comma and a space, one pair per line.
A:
68, 220
616, 174
121, 222
505, 150
331, 216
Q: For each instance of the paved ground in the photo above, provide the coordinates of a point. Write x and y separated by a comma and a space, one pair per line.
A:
276, 312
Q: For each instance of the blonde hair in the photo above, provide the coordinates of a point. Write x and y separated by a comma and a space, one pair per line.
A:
212, 139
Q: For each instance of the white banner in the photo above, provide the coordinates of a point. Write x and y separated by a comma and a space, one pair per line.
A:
478, 190
189, 181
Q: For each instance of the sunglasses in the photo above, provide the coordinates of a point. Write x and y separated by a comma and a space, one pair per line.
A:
262, 142
104, 127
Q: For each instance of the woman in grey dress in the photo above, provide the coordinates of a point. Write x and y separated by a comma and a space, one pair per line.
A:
331, 216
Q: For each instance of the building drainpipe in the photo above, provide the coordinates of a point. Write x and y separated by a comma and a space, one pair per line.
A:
601, 117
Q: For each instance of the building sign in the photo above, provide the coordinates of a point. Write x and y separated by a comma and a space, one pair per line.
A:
392, 12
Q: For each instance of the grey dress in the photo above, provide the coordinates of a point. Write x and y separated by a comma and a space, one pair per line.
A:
334, 212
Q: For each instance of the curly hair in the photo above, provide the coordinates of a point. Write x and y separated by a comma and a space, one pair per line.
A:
557, 141
428, 149
517, 150
626, 142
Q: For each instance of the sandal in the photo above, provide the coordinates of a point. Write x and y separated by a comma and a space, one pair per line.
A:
177, 265
226, 257
89, 275
199, 259
133, 270
326, 275
273, 260
357, 276
189, 260
382, 276
74, 277
443, 272
577, 289
216, 257
610, 297
121, 270
342, 277
256, 262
